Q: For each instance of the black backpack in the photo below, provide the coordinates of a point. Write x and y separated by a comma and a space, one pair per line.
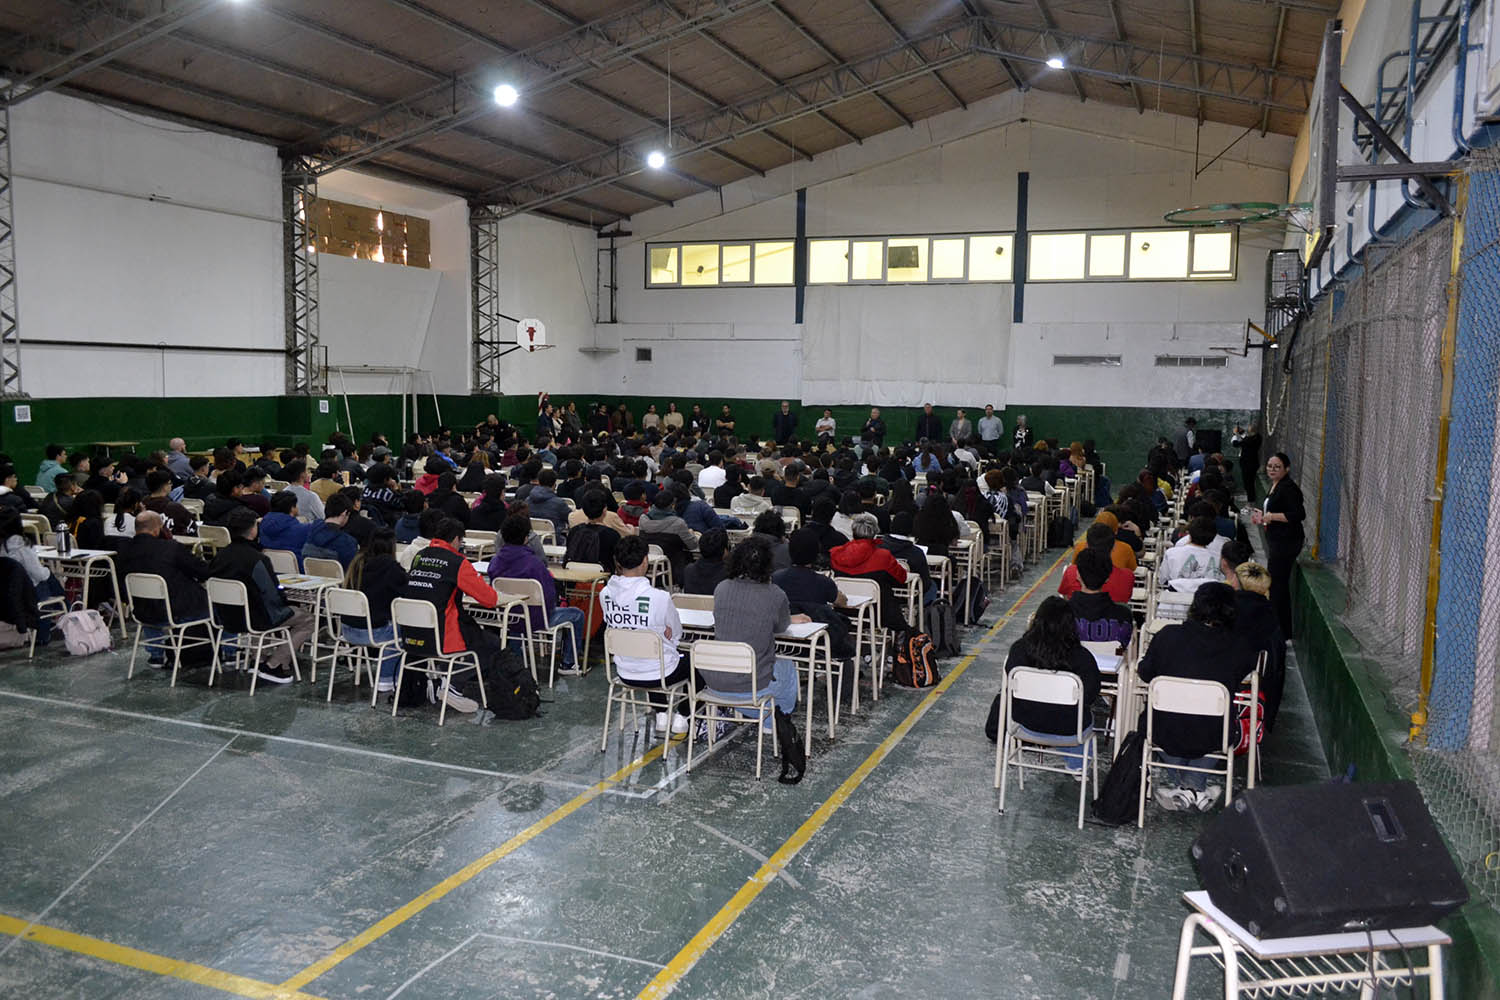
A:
583, 544
1059, 533
972, 599
942, 626
1119, 798
793, 753
509, 688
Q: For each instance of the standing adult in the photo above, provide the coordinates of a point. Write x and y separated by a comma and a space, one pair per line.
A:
1022, 436
961, 429
784, 423
1249, 442
991, 429
1282, 514
873, 432
929, 425
1186, 441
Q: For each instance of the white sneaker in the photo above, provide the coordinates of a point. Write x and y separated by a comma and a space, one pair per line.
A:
458, 702
661, 722
1174, 799
679, 725
1208, 798
382, 687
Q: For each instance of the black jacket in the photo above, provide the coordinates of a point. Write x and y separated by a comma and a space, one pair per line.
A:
1286, 499
783, 495
382, 580
488, 515
450, 503
246, 562
703, 576
216, 509
930, 426
784, 425
174, 563
1195, 650
1255, 621
1043, 718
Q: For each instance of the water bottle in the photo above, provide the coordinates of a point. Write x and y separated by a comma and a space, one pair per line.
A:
65, 541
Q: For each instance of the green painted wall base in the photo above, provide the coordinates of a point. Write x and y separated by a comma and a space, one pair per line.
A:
1360, 725
1123, 435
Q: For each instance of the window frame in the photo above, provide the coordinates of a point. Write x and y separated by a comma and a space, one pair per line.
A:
1127, 231
750, 242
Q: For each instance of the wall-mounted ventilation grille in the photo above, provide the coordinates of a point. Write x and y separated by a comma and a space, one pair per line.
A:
1087, 360
642, 354
1191, 361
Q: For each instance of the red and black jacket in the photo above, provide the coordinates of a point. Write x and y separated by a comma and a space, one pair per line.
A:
439, 574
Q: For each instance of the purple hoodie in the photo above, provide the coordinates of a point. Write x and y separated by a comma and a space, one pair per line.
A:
519, 562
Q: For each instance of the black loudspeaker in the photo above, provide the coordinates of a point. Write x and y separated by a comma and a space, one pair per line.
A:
1328, 858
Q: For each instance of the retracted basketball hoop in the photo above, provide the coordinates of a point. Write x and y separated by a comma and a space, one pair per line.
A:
531, 335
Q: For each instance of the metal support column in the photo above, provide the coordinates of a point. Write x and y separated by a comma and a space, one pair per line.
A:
484, 296
10, 320
606, 274
305, 373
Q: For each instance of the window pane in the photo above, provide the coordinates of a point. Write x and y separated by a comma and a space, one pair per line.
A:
827, 262
663, 266
1213, 253
948, 259
989, 258
700, 264
773, 263
1161, 253
1056, 257
736, 262
867, 258
1107, 256
906, 260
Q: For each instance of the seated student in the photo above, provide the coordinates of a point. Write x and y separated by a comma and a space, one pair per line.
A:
14, 546
1204, 508
1204, 647
636, 506
628, 601
731, 487
824, 510
407, 526
55, 506
327, 539
1129, 532
1100, 617
1121, 554
178, 519
253, 491
610, 518
543, 502
805, 587
266, 461
51, 467
770, 527
748, 608
1121, 581
151, 551
753, 500
375, 573
11, 494
898, 542
226, 498
309, 504
933, 527
106, 479
663, 520
441, 575
790, 492
590, 538
380, 500
1050, 642
697, 513
866, 558
86, 520
360, 526
326, 479
282, 529
245, 561
515, 560
491, 510
121, 524
707, 571
1183, 566
713, 474
1256, 623
444, 497
427, 523
199, 485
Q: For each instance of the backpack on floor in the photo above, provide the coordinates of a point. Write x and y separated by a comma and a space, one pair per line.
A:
942, 627
1059, 533
83, 631
1119, 795
916, 666
509, 688
972, 599
793, 753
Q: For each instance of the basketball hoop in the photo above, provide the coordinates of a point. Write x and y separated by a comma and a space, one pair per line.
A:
1234, 213
531, 335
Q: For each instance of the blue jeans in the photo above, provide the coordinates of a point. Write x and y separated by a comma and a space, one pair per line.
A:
1072, 755
575, 617
782, 689
390, 658
50, 587
1193, 781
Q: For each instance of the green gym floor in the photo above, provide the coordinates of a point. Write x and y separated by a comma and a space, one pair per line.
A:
195, 842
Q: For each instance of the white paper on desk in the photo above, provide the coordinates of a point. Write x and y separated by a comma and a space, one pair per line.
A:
803, 630
695, 618
921, 548
1108, 664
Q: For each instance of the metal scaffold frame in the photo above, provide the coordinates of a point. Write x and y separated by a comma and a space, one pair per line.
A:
10, 319
299, 189
484, 298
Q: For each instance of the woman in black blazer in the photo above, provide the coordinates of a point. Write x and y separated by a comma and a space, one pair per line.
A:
1282, 515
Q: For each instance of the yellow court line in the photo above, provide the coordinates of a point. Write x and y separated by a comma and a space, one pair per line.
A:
394, 919
134, 958
682, 963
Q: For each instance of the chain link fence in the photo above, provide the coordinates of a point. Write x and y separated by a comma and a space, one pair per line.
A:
1358, 413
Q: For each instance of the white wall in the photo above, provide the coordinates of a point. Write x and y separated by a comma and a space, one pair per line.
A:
1090, 166
145, 232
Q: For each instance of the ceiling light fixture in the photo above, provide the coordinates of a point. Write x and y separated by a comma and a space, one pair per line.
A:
1056, 62
656, 159
506, 95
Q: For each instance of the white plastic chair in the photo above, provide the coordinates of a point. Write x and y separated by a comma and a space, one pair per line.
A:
704, 702
37, 528
659, 568
328, 569
870, 635
340, 603
693, 602
636, 644
215, 536
418, 638
1049, 687
151, 587
229, 610
544, 529
283, 561
539, 641
1187, 696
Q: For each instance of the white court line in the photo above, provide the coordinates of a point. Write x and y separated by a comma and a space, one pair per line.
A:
431, 965
116, 846
315, 744
507, 939
783, 874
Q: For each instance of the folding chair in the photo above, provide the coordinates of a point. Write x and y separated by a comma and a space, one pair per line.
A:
283, 561
1187, 696
229, 610
328, 569
479, 544
659, 568
870, 635
37, 528
704, 703
641, 645
340, 603
194, 507
151, 587
539, 641
545, 529
417, 637
693, 602
215, 537
1049, 687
